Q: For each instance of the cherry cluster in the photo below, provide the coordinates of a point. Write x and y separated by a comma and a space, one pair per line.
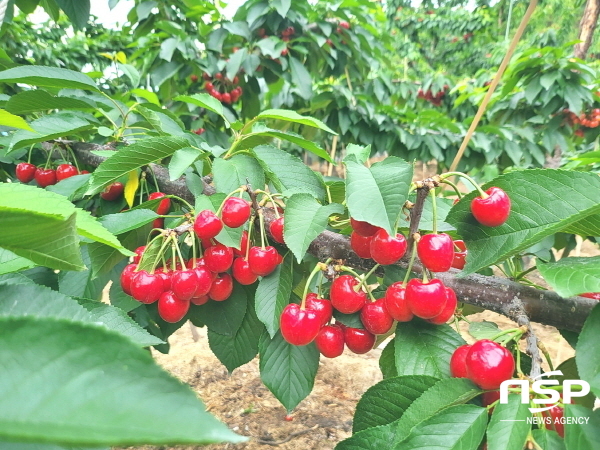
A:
486, 363
436, 99
43, 176
588, 120
220, 87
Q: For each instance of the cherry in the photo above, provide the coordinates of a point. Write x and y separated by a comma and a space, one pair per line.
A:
448, 310
276, 230
556, 413
126, 276
199, 300
386, 249
25, 172
395, 302
205, 280
344, 24
207, 225
165, 275
593, 295
436, 252
171, 308
221, 288
299, 326
138, 254
458, 366
363, 228
226, 97
242, 272
492, 210
361, 245
112, 191
344, 297
164, 206
487, 398
66, 171
322, 306
358, 341
243, 245
158, 223
146, 287
426, 300
263, 261
235, 212
458, 262
375, 317
218, 258
184, 283
218, 76
330, 341
489, 364
45, 177
193, 78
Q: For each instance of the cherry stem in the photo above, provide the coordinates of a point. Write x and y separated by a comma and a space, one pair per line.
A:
144, 253
413, 255
153, 176
544, 350
231, 194
467, 177
369, 273
192, 236
434, 210
73, 156
179, 199
181, 260
519, 371
271, 199
320, 285
318, 268
29, 154
361, 283
454, 186
48, 159
160, 253
250, 226
173, 258
262, 228
515, 331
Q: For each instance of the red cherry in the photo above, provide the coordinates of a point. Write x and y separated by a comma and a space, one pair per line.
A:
205, 280
236, 212
458, 262
487, 398
375, 317
25, 172
146, 287
489, 364
243, 245
171, 308
276, 230
45, 177
493, 210
218, 258
200, 300
242, 272
344, 24
193, 78
330, 341
158, 223
386, 249
218, 76
138, 254
263, 261
436, 252
165, 275
395, 302
363, 228
284, 52
164, 206
458, 366
235, 80
358, 341
207, 225
66, 171
449, 309
226, 98
221, 288
184, 283
112, 191
556, 413
299, 326
343, 296
361, 245
426, 300
593, 295
126, 276
322, 306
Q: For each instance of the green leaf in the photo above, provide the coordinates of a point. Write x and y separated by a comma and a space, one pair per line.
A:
236, 351
181, 160
301, 78
460, 427
224, 317
387, 361
305, 219
48, 77
204, 101
89, 227
350, 320
104, 258
9, 262
282, 6
572, 276
80, 384
425, 349
587, 356
569, 369
357, 153
273, 294
376, 195
123, 222
51, 126
386, 401
508, 428
287, 370
11, 121
443, 208
133, 157
26, 102
81, 283
585, 435
288, 172
231, 173
77, 10
539, 208
293, 116
483, 330
375, 438
548, 439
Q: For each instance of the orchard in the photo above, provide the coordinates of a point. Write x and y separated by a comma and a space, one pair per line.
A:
266, 177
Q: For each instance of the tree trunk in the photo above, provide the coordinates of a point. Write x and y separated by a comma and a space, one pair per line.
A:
588, 23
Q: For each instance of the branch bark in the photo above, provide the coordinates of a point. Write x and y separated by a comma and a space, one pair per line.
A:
587, 26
